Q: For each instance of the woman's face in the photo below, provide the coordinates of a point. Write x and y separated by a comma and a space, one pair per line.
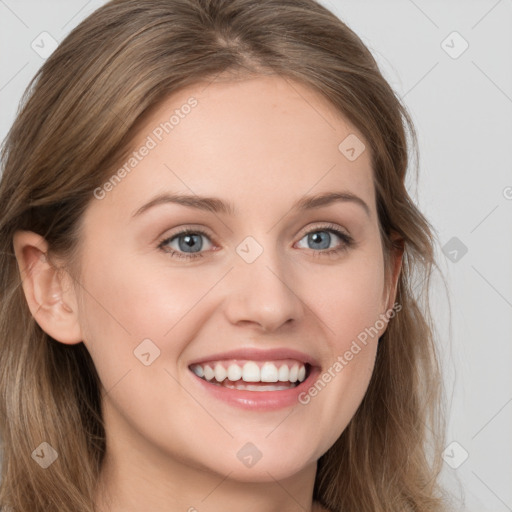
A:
261, 281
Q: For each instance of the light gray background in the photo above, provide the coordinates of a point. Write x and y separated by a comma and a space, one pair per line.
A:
462, 108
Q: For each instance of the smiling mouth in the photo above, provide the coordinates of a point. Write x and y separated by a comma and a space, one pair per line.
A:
253, 375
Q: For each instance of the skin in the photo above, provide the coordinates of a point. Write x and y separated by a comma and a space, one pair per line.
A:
262, 143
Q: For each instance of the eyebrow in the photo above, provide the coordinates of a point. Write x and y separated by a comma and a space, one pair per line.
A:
216, 205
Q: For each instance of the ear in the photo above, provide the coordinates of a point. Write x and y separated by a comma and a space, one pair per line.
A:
48, 290
396, 255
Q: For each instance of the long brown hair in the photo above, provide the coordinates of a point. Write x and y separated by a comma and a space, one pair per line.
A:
78, 117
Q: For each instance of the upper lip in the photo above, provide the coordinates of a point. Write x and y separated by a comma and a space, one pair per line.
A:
252, 354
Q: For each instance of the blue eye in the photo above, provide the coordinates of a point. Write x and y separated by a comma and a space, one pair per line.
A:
190, 242
321, 238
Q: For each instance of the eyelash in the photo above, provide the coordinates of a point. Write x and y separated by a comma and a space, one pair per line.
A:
347, 242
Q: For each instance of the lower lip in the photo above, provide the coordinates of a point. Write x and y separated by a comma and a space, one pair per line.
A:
259, 400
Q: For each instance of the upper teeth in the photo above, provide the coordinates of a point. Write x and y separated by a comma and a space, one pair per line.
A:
252, 371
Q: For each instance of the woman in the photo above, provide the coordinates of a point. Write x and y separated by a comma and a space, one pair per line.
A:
173, 338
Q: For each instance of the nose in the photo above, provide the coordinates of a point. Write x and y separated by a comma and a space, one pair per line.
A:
264, 293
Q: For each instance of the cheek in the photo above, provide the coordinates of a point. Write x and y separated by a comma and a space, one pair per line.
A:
350, 308
124, 303
144, 300
136, 298
352, 298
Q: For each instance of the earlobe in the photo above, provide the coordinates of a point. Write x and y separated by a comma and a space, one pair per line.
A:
47, 289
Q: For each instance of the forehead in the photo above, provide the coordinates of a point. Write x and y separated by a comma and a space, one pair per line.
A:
254, 142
